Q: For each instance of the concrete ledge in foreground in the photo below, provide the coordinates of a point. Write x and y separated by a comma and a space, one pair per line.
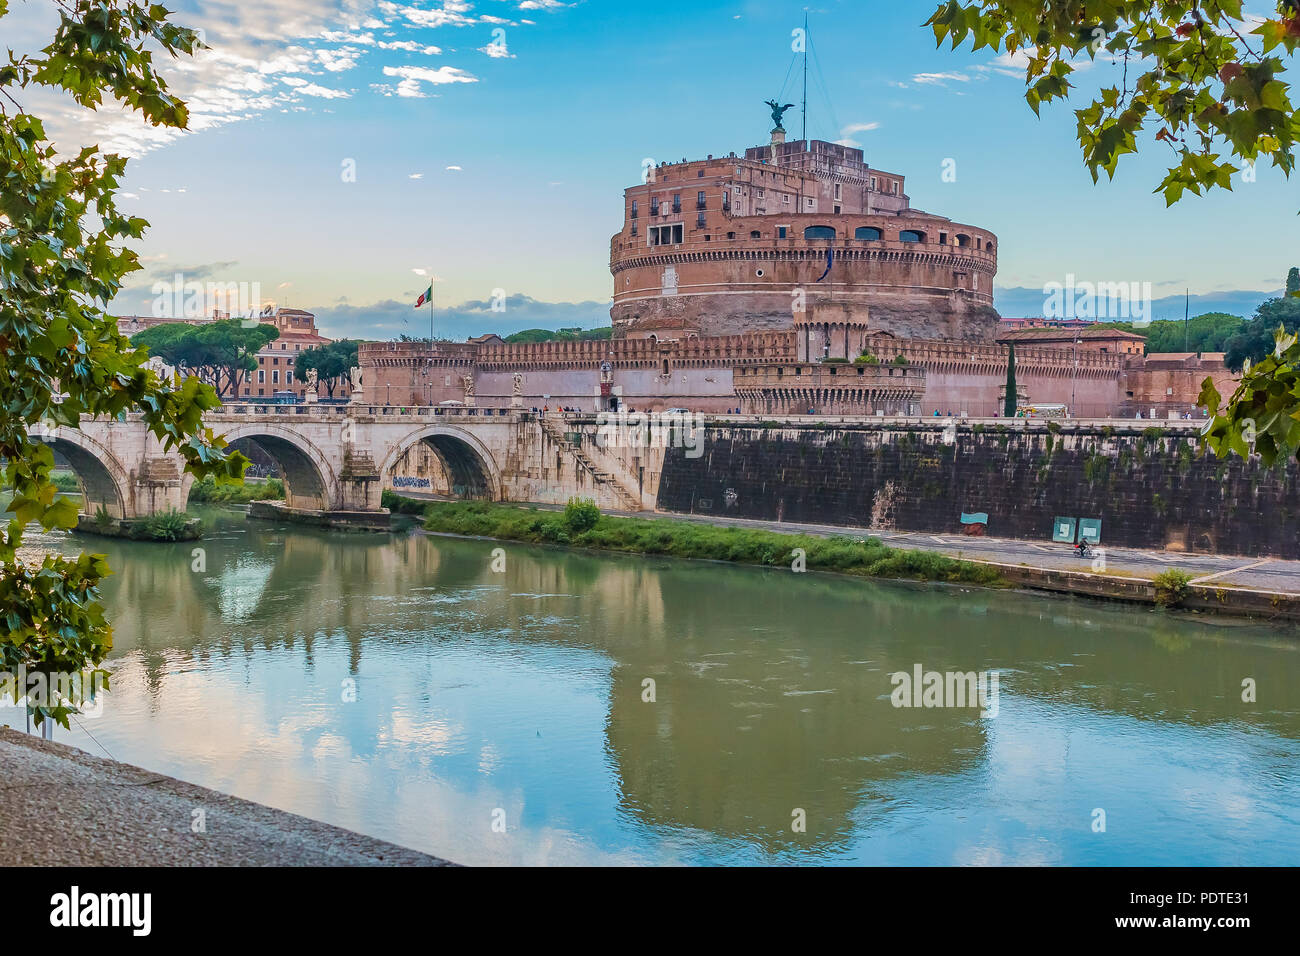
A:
60, 806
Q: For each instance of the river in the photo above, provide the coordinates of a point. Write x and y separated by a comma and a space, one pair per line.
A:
618, 709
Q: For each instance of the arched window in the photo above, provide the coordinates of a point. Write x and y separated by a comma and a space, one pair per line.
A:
819, 232
911, 235
963, 240
866, 232
755, 234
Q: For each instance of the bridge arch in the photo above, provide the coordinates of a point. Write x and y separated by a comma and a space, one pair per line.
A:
468, 462
105, 482
310, 481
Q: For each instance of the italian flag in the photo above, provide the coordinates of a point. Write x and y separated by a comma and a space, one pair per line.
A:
425, 296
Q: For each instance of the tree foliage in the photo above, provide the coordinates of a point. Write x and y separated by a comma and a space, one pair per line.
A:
1208, 332
219, 353
1263, 414
1200, 77
332, 362
1011, 401
1256, 339
62, 253
562, 335
1197, 75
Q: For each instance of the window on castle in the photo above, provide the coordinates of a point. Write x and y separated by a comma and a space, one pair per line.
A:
819, 232
866, 232
963, 240
634, 208
666, 235
731, 235
755, 234
911, 235
780, 232
896, 187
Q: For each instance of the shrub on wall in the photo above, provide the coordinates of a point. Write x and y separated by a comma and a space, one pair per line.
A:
1172, 587
580, 514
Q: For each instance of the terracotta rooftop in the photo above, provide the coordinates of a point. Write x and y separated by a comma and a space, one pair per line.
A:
1059, 335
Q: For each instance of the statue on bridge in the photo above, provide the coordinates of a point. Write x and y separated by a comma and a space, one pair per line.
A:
354, 374
468, 382
517, 391
311, 395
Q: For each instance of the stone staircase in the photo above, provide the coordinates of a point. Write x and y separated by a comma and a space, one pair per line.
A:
630, 500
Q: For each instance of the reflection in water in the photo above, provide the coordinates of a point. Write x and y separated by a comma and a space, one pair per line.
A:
524, 691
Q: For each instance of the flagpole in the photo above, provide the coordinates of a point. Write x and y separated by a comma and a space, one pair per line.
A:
430, 334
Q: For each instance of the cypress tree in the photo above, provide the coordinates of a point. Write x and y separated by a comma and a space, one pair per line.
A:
1009, 405
1293, 281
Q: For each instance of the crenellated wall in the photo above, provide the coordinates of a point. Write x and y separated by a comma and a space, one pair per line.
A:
716, 374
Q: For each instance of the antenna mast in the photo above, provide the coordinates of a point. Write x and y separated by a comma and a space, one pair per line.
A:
804, 108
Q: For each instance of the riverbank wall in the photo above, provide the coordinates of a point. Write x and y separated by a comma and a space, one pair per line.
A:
113, 814
1148, 484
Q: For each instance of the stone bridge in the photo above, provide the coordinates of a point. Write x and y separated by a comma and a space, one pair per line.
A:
336, 459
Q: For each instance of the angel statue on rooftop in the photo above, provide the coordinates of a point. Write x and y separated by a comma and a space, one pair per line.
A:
778, 111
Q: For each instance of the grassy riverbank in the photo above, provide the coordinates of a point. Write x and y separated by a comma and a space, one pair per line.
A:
583, 527
208, 491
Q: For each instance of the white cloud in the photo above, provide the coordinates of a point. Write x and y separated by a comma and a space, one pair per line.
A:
312, 89
452, 13
940, 79
846, 134
416, 176
410, 46
336, 61
453, 169
252, 46
413, 76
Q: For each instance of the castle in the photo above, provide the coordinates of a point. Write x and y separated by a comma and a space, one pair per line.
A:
733, 244
793, 280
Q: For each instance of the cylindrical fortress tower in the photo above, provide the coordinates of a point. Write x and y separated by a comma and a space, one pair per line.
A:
737, 244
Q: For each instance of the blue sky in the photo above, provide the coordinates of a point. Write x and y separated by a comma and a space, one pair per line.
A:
503, 168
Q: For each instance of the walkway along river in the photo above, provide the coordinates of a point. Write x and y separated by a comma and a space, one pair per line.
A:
614, 709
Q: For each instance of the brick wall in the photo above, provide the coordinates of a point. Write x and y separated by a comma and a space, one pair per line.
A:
1150, 487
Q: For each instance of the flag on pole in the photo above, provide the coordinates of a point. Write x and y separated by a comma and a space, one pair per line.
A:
830, 261
425, 296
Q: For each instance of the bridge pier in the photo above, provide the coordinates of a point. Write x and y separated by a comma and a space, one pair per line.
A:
160, 486
359, 482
